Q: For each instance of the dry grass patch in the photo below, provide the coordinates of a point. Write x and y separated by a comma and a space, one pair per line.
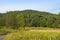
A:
33, 35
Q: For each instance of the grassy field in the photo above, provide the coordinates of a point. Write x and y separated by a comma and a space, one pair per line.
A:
34, 34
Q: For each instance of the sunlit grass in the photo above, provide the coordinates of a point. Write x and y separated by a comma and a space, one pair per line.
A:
33, 35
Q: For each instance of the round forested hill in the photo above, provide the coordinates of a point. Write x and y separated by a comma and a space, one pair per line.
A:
30, 18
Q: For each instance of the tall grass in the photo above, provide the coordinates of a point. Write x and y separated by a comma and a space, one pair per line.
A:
4, 31
33, 35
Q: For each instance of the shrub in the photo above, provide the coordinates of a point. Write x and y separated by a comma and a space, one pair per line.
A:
4, 31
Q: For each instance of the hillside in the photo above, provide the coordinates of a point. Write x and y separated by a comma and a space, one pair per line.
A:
29, 18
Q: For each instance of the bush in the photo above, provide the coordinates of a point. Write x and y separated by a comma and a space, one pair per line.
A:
4, 31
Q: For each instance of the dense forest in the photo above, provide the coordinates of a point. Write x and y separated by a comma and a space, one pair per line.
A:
29, 18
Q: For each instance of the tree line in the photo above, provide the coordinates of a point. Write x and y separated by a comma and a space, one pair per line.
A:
29, 18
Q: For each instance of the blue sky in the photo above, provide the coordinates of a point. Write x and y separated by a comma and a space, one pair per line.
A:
52, 6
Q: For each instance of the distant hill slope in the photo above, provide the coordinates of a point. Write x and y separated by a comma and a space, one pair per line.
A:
30, 18
32, 11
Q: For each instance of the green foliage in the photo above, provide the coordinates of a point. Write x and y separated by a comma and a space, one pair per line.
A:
29, 18
4, 31
2, 19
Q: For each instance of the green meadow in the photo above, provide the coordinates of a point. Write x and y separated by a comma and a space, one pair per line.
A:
33, 35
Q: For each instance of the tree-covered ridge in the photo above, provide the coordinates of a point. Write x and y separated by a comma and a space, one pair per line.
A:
29, 18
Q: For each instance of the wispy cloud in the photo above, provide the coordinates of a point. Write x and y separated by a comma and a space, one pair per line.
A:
42, 5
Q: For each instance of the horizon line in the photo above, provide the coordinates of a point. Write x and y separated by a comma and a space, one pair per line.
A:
28, 9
